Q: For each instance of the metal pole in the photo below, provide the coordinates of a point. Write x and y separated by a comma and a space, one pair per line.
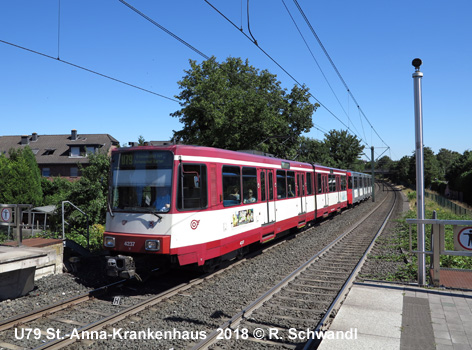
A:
417, 76
63, 231
373, 173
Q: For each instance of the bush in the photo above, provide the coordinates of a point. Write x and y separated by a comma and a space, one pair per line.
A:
96, 237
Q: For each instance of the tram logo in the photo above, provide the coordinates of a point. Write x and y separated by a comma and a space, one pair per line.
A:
194, 224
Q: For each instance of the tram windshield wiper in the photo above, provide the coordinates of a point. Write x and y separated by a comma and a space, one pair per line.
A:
153, 211
110, 210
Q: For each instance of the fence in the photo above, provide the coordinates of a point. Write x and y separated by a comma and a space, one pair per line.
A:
438, 242
446, 203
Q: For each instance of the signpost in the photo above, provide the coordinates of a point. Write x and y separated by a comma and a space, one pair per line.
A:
463, 238
6, 215
10, 215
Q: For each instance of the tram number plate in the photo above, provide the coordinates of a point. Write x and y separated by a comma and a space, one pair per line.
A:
116, 300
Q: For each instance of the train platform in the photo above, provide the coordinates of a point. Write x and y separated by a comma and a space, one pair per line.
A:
393, 316
20, 266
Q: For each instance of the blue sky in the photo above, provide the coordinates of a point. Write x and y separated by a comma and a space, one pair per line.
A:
372, 44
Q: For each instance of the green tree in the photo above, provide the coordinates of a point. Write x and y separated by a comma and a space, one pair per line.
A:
431, 167
20, 178
384, 163
401, 171
459, 175
344, 150
56, 190
446, 158
141, 140
233, 105
91, 191
312, 151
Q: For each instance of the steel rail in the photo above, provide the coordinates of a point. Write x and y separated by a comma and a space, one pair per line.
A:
121, 315
47, 310
237, 318
348, 284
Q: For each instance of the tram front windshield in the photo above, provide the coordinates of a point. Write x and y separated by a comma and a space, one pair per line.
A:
141, 181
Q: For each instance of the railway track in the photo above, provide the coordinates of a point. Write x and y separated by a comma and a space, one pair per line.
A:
304, 302
69, 326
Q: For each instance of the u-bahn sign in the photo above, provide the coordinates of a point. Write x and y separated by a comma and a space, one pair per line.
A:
6, 215
463, 238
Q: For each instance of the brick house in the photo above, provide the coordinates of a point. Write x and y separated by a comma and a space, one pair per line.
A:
59, 155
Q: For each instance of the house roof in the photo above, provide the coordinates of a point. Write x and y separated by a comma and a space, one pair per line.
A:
56, 149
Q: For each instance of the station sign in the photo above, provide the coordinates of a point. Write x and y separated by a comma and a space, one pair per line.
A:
6, 215
463, 238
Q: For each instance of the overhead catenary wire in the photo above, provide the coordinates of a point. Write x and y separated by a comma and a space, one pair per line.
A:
335, 68
165, 30
319, 67
87, 70
283, 69
250, 39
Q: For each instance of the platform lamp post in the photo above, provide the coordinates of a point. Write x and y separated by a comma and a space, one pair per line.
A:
417, 76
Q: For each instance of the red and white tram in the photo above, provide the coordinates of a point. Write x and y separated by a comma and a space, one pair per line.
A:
199, 205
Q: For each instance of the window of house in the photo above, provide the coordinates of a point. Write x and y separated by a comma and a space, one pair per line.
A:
75, 151
281, 184
90, 149
74, 172
46, 172
231, 185
48, 152
192, 189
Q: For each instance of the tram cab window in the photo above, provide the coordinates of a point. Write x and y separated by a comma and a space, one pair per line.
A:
231, 185
192, 190
281, 184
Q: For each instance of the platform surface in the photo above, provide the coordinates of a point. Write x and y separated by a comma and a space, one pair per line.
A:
390, 316
44, 254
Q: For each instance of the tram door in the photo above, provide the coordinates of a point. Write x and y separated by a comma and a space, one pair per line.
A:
267, 194
338, 187
301, 192
324, 181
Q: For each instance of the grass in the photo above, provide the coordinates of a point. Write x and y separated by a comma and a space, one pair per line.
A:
460, 262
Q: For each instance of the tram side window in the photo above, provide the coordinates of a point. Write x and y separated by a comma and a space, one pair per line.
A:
249, 185
291, 184
319, 183
281, 184
309, 186
332, 183
231, 185
192, 191
349, 182
343, 183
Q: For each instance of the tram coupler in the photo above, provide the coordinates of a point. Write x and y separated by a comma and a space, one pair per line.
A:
121, 266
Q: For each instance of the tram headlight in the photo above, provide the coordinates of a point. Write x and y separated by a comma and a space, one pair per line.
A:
152, 245
109, 242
